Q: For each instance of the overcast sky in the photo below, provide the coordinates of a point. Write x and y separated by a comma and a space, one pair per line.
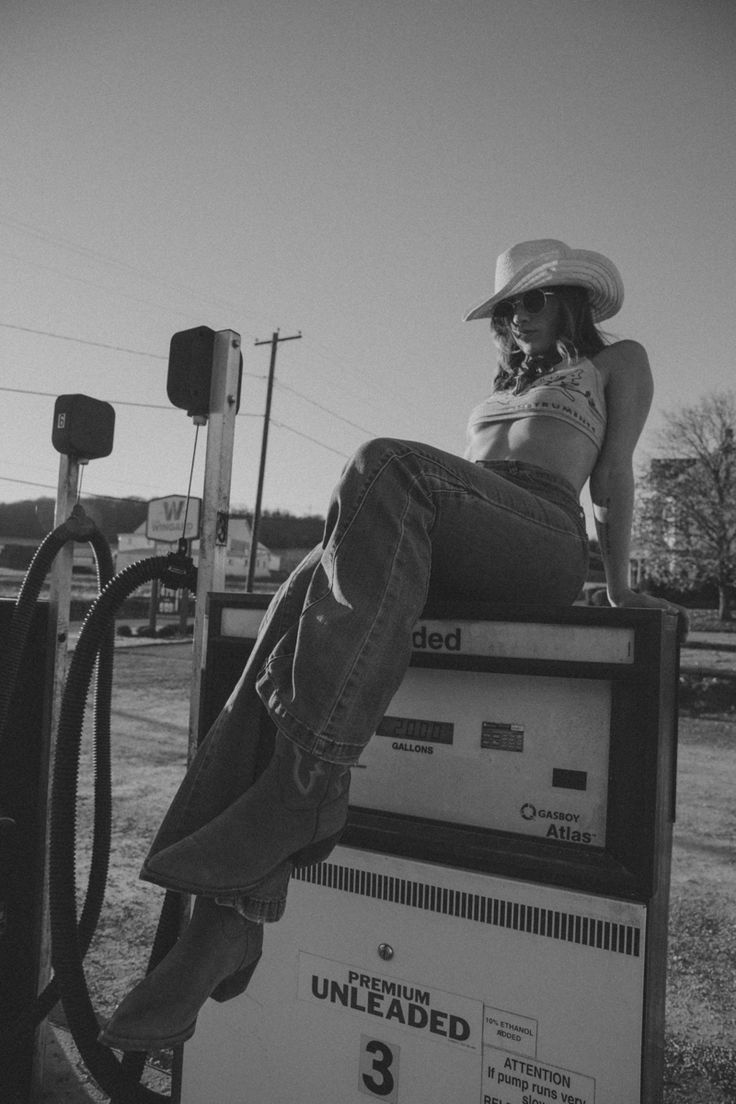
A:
349, 169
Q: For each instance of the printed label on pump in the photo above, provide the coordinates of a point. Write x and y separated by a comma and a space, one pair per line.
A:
515, 1080
508, 1031
436, 1015
378, 1071
526, 640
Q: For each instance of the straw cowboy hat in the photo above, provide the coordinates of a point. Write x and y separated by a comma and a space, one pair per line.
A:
546, 262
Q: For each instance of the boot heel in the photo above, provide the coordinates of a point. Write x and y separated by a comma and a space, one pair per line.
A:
235, 984
315, 852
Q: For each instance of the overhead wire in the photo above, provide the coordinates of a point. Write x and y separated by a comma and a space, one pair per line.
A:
83, 341
101, 345
54, 487
116, 402
85, 251
122, 265
320, 406
99, 287
299, 433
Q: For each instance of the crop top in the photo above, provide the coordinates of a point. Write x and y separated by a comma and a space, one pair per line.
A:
573, 394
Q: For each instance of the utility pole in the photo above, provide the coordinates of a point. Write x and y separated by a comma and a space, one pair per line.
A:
264, 446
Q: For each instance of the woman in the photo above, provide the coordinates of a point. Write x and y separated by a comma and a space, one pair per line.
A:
406, 522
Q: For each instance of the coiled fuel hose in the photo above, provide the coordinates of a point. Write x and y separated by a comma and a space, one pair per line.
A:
80, 528
118, 1078
95, 649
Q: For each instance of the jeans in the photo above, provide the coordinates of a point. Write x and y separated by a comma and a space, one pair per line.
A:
407, 523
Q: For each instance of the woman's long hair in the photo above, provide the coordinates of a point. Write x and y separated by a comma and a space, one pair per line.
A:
578, 336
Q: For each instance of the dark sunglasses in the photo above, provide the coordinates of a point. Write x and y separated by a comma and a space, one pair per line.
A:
532, 302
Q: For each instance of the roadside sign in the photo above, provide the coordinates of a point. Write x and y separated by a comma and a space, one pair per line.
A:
165, 521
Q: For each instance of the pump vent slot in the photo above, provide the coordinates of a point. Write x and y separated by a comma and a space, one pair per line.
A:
568, 927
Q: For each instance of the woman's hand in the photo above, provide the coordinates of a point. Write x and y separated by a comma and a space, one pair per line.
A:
632, 599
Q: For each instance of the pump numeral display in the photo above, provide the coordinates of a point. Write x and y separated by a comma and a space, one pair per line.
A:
378, 1075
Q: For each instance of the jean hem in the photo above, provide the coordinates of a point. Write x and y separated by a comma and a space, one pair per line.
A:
322, 747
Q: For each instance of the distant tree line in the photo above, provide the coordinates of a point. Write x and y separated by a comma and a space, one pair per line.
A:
279, 529
34, 518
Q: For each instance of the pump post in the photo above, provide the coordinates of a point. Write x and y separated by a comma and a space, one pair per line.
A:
60, 591
224, 393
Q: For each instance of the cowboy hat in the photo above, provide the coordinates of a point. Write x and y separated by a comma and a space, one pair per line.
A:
546, 262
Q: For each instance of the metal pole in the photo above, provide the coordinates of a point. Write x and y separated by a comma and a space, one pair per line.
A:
264, 448
60, 591
215, 504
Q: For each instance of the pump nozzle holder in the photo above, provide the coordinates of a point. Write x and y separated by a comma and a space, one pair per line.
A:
83, 427
189, 378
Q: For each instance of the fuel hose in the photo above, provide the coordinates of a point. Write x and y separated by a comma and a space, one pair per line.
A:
118, 1078
78, 527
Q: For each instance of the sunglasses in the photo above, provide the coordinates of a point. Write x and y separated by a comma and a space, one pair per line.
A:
532, 302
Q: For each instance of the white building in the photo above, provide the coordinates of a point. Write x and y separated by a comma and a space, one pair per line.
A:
137, 546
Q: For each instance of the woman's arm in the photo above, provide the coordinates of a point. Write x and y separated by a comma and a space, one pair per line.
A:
628, 399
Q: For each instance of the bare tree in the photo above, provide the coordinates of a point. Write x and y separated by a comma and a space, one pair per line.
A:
686, 513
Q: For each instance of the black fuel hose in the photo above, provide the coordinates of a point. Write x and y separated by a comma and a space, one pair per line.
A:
79, 527
176, 571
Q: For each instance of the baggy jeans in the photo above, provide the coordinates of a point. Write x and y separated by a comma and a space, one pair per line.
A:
407, 522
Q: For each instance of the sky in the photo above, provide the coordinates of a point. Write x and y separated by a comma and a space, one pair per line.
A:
348, 170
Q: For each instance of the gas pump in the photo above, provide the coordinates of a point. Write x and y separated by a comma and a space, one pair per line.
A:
492, 928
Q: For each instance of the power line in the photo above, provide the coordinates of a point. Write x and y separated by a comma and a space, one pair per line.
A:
86, 251
163, 406
53, 487
313, 402
298, 432
160, 356
114, 402
151, 303
99, 345
82, 341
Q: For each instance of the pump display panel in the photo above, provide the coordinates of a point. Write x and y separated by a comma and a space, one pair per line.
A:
512, 753
522, 741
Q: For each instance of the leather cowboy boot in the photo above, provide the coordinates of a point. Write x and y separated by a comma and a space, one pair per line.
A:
215, 957
295, 810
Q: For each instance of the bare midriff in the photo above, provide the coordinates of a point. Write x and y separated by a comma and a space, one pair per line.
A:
547, 442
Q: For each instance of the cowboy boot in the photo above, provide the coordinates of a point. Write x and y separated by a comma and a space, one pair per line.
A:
295, 810
215, 957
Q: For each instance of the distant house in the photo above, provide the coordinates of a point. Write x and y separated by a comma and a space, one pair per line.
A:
289, 558
136, 546
666, 516
238, 552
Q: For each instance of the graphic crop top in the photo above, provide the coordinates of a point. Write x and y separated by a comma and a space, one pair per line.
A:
572, 393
